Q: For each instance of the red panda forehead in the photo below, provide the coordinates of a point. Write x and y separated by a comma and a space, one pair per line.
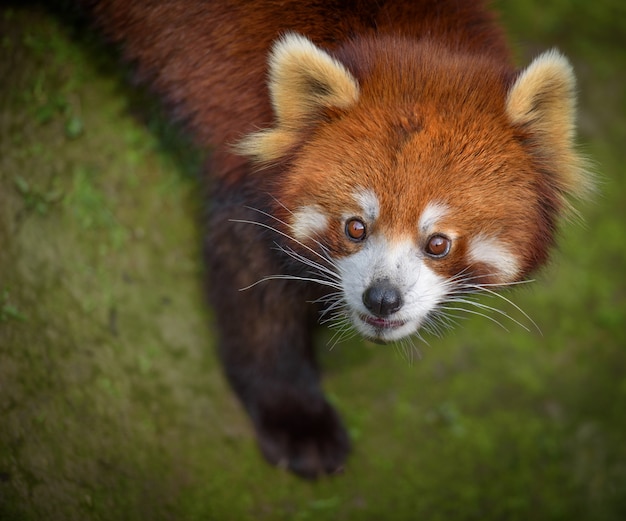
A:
409, 161
416, 156
404, 142
412, 154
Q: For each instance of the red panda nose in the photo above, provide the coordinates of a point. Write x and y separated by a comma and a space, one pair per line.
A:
382, 298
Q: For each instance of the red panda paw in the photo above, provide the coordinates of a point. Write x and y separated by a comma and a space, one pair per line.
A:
310, 441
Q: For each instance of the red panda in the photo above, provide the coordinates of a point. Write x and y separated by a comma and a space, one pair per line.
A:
379, 158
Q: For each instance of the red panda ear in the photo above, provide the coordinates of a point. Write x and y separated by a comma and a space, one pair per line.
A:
543, 101
303, 80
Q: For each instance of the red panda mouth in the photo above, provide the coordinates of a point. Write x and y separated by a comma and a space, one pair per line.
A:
382, 323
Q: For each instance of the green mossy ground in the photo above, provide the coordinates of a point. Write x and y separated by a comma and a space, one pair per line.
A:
112, 404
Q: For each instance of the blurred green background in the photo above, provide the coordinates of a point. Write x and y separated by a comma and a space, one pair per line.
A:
112, 405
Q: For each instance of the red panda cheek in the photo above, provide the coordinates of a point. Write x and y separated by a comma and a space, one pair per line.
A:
308, 223
493, 259
310, 226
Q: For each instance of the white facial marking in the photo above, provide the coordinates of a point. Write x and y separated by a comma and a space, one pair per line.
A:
308, 221
401, 264
490, 251
368, 202
432, 214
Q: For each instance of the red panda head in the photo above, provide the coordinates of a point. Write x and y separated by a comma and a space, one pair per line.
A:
413, 174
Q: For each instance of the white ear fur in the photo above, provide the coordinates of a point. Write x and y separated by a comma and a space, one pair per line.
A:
303, 80
543, 99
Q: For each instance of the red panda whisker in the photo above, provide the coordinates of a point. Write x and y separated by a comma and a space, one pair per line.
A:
463, 289
338, 310
419, 336
335, 311
483, 289
330, 297
324, 254
339, 316
472, 312
309, 262
338, 304
458, 285
446, 318
280, 203
344, 331
318, 270
399, 348
507, 284
324, 249
485, 307
435, 325
286, 235
405, 348
290, 277
459, 278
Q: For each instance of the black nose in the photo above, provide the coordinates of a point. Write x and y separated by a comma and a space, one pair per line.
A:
382, 298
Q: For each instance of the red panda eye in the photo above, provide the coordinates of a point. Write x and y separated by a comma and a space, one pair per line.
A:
438, 245
355, 229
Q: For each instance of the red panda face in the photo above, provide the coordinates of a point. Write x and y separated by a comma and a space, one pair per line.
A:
409, 187
408, 225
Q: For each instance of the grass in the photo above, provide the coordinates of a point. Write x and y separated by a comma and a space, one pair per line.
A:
112, 404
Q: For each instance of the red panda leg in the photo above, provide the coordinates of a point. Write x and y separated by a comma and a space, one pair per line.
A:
266, 349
